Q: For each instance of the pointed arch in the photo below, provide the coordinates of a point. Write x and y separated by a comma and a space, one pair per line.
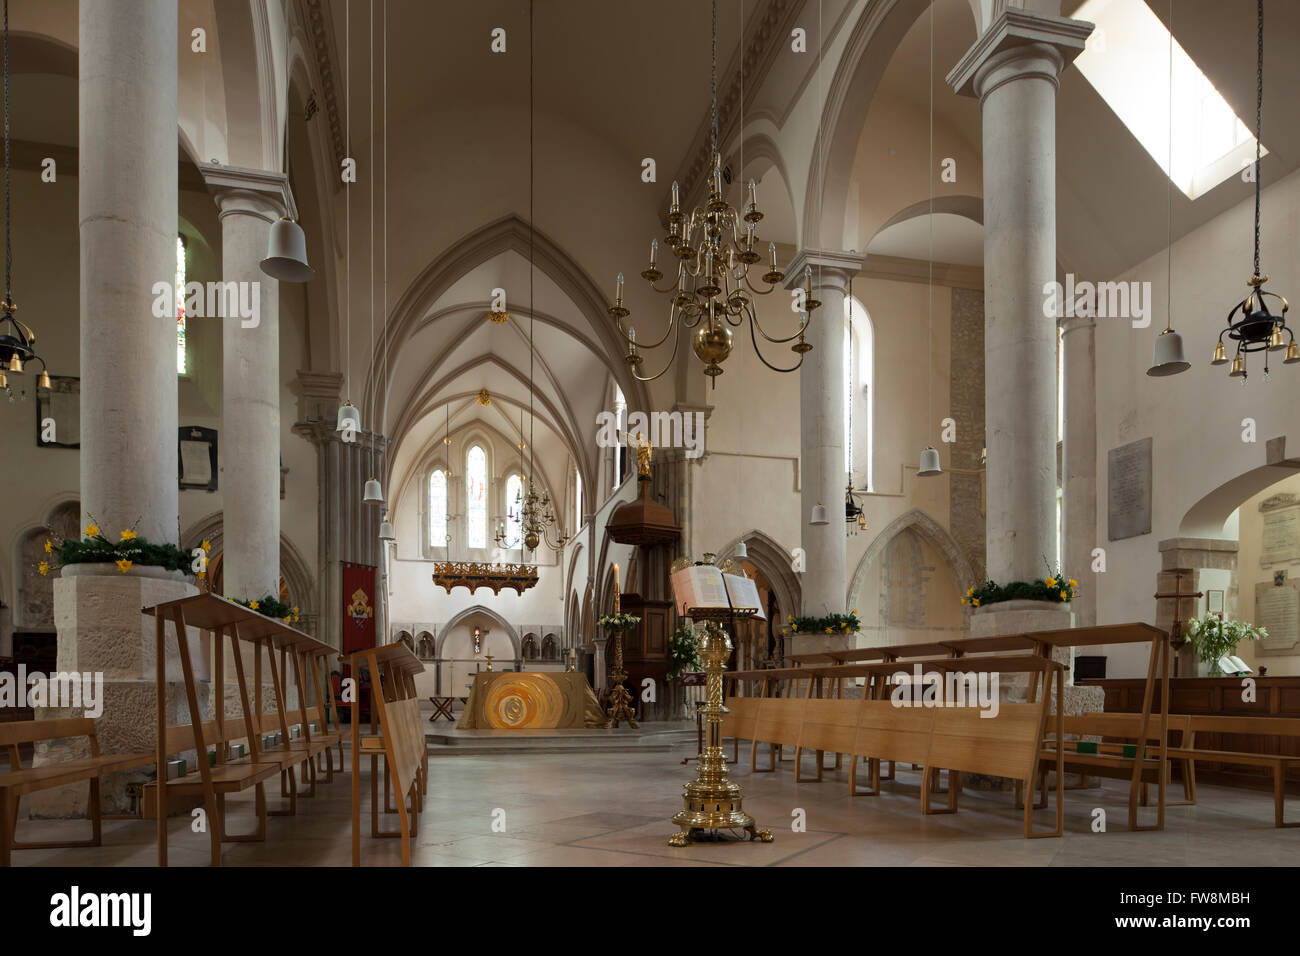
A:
773, 559
487, 612
929, 530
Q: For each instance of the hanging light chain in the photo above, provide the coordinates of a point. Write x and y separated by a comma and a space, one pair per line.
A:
9, 256
1259, 119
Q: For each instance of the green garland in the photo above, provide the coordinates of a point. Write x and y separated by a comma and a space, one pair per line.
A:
830, 624
1055, 587
618, 622
683, 652
271, 607
127, 552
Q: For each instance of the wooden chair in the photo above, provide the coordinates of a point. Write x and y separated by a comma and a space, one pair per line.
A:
20, 780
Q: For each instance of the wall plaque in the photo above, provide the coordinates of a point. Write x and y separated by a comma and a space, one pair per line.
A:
1280, 543
197, 457
1277, 609
1128, 494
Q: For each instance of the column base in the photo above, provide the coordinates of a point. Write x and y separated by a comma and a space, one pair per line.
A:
102, 633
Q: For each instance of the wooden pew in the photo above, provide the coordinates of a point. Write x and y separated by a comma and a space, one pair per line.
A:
1279, 764
396, 734
20, 780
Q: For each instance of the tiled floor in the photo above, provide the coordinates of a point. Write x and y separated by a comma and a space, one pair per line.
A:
614, 810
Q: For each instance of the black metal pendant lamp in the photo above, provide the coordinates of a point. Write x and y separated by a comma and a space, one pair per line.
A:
1251, 323
17, 340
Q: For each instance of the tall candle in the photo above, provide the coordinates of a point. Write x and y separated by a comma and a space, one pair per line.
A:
616, 602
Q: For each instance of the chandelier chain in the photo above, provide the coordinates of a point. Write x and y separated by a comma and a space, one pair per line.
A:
713, 78
1259, 118
9, 256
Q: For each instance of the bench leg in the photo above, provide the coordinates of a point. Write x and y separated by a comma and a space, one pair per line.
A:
1279, 796
290, 792
753, 758
928, 775
798, 767
873, 771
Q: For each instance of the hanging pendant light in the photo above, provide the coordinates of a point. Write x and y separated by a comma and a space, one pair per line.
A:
1251, 323
286, 252
740, 552
349, 417
819, 514
386, 530
373, 491
930, 463
17, 340
1168, 358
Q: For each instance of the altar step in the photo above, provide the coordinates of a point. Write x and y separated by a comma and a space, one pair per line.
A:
648, 738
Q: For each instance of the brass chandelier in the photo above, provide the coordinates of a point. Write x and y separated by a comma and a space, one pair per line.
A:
1250, 323
711, 292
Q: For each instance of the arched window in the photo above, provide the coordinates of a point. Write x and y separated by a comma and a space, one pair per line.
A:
476, 498
514, 511
859, 397
438, 509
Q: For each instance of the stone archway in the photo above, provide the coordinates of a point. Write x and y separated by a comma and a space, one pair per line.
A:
479, 609
770, 557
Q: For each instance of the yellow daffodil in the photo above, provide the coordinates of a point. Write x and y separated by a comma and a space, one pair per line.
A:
844, 626
795, 627
252, 605
202, 575
124, 565
44, 568
295, 610
1062, 595
963, 601
975, 602
92, 530
855, 612
49, 546
828, 630
206, 545
970, 592
128, 534
1051, 582
1073, 583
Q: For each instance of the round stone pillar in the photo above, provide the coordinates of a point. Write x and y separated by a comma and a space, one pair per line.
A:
126, 194
1079, 462
823, 471
249, 202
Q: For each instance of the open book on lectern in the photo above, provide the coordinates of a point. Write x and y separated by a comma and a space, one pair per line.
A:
705, 586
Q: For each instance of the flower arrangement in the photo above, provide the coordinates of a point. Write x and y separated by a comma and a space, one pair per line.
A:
1214, 638
129, 550
1055, 587
618, 622
830, 624
271, 607
683, 651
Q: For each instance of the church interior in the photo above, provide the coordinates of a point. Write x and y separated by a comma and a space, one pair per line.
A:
578, 433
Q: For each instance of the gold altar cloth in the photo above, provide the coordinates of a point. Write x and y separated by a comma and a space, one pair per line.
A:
505, 700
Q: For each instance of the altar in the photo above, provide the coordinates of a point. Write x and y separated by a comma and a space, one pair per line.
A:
505, 700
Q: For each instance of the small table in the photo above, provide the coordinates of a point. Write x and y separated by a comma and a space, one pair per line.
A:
442, 708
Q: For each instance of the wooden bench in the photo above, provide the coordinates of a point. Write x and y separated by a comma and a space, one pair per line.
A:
1279, 764
397, 735
24, 780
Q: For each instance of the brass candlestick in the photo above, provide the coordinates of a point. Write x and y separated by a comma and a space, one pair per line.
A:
620, 699
712, 801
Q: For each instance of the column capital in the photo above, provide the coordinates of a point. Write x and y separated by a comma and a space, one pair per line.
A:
831, 268
1075, 323
255, 192
1019, 34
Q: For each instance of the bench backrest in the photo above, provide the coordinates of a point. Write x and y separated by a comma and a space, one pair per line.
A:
739, 719
13, 733
1003, 746
779, 720
887, 732
830, 725
1267, 726
1124, 727
180, 737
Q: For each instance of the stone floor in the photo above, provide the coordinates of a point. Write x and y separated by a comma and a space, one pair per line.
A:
613, 810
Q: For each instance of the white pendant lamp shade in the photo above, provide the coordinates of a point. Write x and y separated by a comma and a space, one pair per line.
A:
1168, 358
286, 253
930, 463
741, 552
373, 491
819, 514
349, 417
386, 530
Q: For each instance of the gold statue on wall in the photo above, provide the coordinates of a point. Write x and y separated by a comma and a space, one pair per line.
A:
644, 449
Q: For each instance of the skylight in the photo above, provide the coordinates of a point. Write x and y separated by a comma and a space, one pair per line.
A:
1127, 62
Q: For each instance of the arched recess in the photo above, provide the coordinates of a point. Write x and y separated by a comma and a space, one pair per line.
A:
298, 579
479, 609
32, 599
1206, 518
929, 530
875, 36
770, 557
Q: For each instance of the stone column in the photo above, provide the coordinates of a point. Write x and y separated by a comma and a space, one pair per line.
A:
1079, 462
250, 201
1014, 69
127, 202
822, 470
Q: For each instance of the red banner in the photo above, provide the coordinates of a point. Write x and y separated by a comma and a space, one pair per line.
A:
358, 607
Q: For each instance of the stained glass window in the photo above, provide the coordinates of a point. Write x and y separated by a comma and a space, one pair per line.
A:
514, 511
180, 306
476, 498
438, 509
